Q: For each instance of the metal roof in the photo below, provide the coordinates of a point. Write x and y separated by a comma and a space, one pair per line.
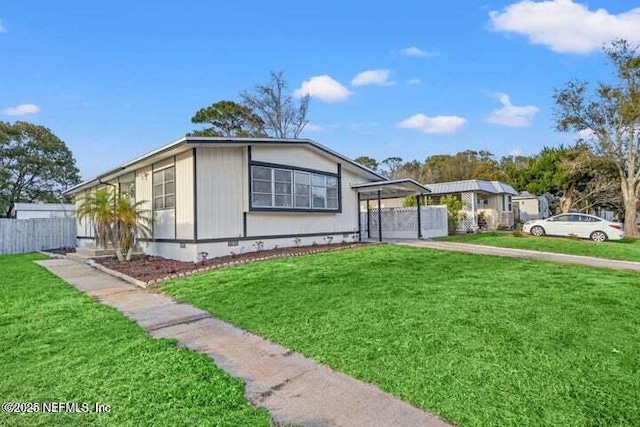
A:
525, 195
390, 189
472, 185
187, 142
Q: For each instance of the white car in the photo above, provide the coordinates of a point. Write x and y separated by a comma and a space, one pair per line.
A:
576, 224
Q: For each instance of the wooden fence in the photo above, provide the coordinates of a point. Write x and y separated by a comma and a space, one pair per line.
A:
28, 235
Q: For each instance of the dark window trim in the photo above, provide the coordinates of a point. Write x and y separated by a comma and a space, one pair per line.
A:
164, 195
293, 209
195, 195
295, 168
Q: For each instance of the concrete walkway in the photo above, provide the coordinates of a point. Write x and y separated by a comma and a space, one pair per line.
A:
523, 253
293, 388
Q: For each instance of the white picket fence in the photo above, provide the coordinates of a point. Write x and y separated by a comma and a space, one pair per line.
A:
29, 235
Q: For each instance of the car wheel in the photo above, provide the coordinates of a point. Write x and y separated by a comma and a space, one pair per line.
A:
537, 231
598, 236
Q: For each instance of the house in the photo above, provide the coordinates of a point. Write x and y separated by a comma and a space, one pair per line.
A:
486, 204
42, 210
527, 206
224, 195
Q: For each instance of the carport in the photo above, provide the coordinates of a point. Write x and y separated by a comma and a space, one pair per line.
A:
382, 190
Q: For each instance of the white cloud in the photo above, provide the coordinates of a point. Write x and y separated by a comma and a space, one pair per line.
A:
433, 125
372, 77
3, 29
516, 152
312, 127
417, 52
325, 88
511, 115
21, 110
414, 81
566, 26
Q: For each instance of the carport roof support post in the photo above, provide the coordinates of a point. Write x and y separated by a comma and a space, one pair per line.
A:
419, 219
379, 216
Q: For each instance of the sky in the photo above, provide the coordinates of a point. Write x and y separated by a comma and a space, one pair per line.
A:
411, 79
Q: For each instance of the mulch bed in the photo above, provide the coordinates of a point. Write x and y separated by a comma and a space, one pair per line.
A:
61, 251
154, 269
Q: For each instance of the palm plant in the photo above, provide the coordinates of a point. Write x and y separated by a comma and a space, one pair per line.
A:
116, 219
131, 222
97, 208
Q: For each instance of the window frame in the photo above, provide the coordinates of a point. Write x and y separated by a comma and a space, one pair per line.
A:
294, 170
164, 183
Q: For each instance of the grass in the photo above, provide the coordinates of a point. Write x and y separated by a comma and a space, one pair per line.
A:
478, 340
625, 249
60, 346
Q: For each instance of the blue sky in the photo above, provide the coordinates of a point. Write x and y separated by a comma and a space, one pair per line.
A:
409, 78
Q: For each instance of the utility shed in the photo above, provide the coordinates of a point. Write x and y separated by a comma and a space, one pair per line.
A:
43, 210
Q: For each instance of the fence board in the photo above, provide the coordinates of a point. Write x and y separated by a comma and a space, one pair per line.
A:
29, 235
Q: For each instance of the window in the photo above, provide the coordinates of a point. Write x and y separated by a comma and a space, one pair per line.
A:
273, 187
164, 189
586, 218
506, 204
565, 218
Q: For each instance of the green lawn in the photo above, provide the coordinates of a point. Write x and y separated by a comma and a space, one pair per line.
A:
626, 249
478, 340
60, 346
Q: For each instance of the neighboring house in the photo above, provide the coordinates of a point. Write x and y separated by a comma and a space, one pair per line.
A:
42, 210
486, 204
223, 195
527, 206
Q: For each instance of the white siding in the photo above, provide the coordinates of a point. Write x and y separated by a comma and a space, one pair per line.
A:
171, 250
143, 188
295, 156
220, 181
218, 249
84, 228
184, 195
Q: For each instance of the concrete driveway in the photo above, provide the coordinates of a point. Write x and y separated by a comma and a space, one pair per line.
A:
522, 253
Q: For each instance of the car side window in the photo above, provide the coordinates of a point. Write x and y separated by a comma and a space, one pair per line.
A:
574, 218
590, 219
560, 218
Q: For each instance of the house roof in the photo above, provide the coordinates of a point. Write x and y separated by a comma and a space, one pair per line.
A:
44, 207
390, 189
493, 187
188, 142
525, 195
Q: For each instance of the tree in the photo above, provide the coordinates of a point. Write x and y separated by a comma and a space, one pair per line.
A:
368, 162
612, 114
516, 170
274, 104
97, 207
226, 118
116, 220
414, 170
392, 166
130, 222
467, 164
35, 165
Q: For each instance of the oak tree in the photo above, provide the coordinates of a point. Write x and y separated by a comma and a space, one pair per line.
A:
35, 165
610, 115
227, 118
